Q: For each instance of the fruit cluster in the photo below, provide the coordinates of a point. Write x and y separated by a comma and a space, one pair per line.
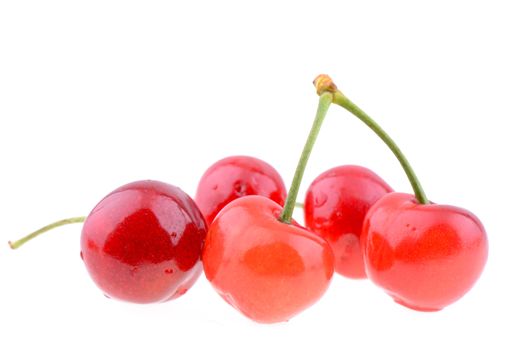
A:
148, 241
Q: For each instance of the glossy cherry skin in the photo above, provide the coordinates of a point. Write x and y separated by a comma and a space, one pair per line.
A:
268, 270
335, 206
142, 243
425, 256
234, 177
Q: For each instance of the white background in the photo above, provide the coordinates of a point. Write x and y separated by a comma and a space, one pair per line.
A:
96, 94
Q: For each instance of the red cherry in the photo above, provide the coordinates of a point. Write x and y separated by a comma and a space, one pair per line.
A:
268, 270
234, 177
142, 243
425, 256
335, 206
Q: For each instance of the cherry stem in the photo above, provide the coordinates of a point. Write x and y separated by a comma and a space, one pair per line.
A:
324, 84
299, 205
323, 105
23, 240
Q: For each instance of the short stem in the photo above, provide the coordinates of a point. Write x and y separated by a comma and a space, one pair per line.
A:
21, 241
324, 84
323, 106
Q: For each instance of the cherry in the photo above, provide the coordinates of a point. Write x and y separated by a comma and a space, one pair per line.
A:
141, 243
268, 270
426, 256
335, 205
234, 177
262, 263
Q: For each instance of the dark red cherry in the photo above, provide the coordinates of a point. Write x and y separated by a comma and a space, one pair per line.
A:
142, 243
234, 177
335, 206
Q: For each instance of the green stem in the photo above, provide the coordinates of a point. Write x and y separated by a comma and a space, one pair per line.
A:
324, 84
323, 106
21, 241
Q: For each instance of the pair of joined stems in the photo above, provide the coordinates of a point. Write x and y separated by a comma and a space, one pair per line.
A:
329, 94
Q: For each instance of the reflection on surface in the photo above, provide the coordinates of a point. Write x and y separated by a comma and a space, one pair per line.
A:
435, 242
274, 258
138, 239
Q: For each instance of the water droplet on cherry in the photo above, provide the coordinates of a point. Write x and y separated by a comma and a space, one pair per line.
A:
240, 188
320, 199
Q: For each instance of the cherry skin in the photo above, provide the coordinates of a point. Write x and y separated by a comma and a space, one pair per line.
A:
142, 243
234, 177
335, 205
425, 256
268, 270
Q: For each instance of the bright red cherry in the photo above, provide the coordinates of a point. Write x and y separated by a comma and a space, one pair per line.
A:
234, 177
335, 206
424, 256
268, 270
142, 243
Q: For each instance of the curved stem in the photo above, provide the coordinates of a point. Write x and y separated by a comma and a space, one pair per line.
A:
324, 84
323, 106
21, 241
